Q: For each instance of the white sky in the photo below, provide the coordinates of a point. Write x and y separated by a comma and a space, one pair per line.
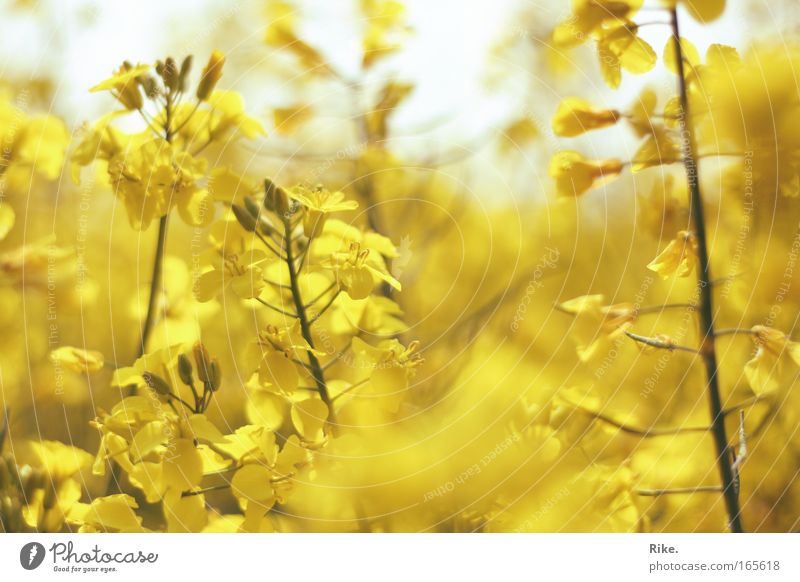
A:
79, 42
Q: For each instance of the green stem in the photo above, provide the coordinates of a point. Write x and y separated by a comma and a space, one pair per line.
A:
155, 283
706, 309
305, 327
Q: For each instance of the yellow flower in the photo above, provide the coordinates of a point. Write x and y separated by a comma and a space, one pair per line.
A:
37, 143
357, 271
679, 257
384, 21
576, 116
589, 16
596, 323
764, 370
124, 85
574, 174
111, 513
621, 48
153, 178
225, 119
701, 10
77, 360
318, 203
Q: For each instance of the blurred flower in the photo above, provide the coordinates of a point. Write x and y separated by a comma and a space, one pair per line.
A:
764, 370
576, 116
679, 257
574, 174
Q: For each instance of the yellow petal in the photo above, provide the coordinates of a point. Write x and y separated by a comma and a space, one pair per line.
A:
184, 514
308, 417
7, 219
705, 10
252, 482
690, 56
77, 360
278, 372
183, 465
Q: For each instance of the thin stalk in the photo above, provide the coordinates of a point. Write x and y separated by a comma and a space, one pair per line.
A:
706, 308
155, 283
305, 327
678, 491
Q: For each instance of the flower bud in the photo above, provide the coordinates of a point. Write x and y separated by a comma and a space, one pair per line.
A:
157, 384
170, 74
149, 86
185, 369
186, 68
245, 219
215, 375
202, 361
275, 198
211, 74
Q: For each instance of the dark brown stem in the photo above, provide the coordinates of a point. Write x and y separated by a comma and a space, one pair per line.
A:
706, 310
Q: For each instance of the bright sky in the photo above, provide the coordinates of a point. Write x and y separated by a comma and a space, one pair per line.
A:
80, 42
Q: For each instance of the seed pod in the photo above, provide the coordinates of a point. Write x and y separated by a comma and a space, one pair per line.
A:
244, 218
157, 384
185, 369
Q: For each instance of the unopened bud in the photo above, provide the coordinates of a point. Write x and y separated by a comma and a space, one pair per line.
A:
185, 369
211, 75
244, 218
186, 68
275, 198
157, 384
170, 74
215, 375
202, 361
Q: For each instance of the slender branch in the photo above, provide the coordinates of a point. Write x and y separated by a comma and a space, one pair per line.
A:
276, 309
155, 284
339, 355
188, 117
642, 432
325, 307
206, 490
706, 308
679, 491
660, 344
305, 328
350, 388
321, 295
271, 248
733, 331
